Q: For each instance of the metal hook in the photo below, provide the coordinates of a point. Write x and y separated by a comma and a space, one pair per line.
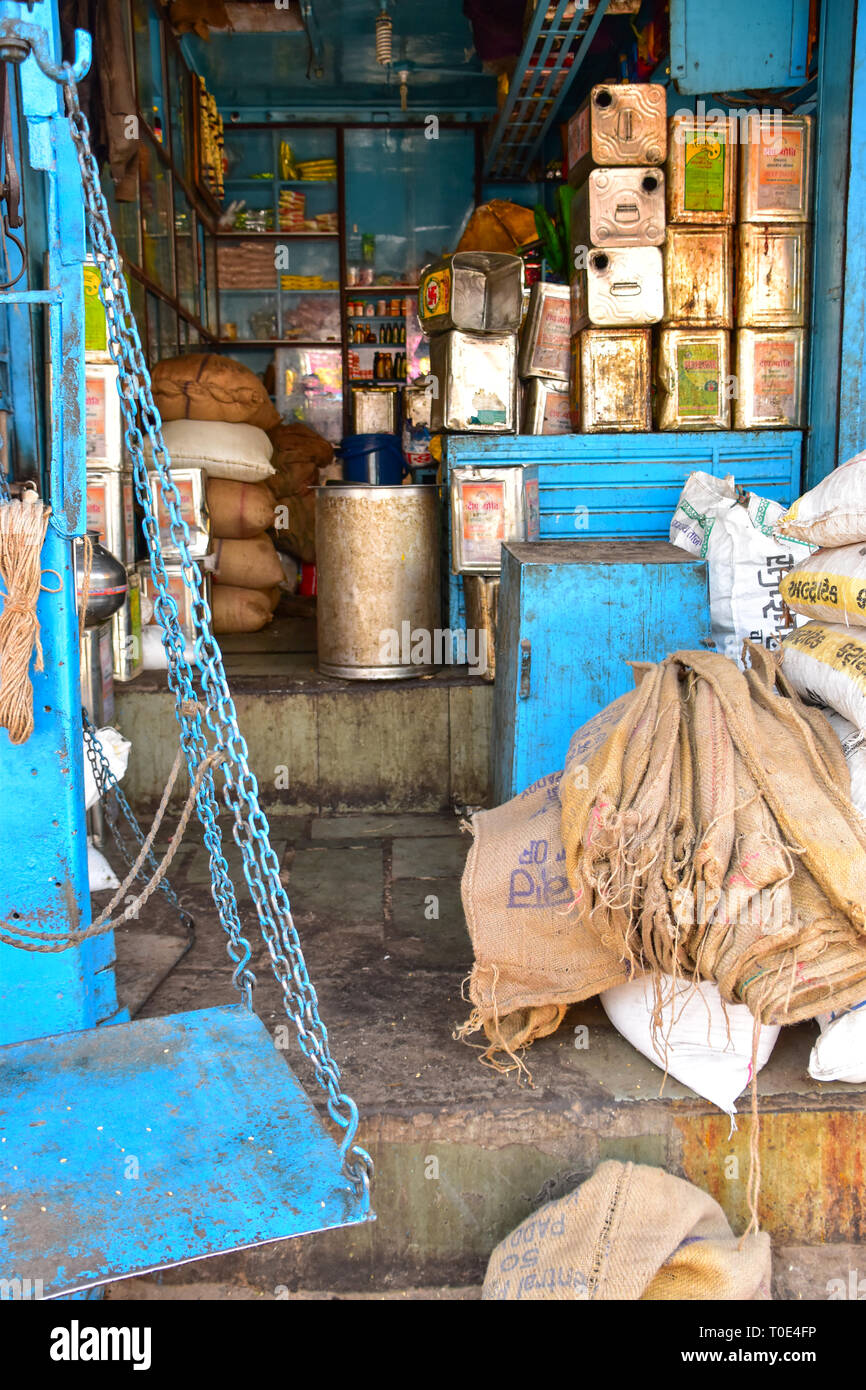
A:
18, 41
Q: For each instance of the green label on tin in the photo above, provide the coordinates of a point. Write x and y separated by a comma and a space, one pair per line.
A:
704, 173
95, 330
698, 372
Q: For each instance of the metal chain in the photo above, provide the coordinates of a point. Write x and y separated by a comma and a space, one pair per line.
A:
250, 830
108, 787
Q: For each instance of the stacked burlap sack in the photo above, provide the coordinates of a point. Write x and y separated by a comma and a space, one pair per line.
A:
261, 477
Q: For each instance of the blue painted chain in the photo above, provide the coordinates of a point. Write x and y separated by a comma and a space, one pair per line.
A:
240, 793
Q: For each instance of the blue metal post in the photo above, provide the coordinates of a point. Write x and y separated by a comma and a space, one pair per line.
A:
43, 851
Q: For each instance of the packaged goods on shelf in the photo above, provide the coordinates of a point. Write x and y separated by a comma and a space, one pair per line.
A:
246, 265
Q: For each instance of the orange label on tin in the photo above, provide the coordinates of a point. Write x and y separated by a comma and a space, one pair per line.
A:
780, 171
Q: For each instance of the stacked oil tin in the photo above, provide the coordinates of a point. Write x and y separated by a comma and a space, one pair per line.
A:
617, 142
544, 361
470, 305
110, 492
191, 484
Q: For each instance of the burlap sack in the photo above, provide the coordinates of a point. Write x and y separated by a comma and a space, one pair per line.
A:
238, 510
629, 1233
535, 952
299, 454
249, 564
498, 226
295, 526
206, 386
714, 835
239, 610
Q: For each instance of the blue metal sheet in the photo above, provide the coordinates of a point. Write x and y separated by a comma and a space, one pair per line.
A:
153, 1143
625, 486
852, 398
738, 46
571, 616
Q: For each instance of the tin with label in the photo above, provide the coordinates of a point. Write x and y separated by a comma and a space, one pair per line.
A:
103, 421
179, 591
619, 123
619, 207
699, 275
475, 291
693, 378
191, 483
111, 510
546, 336
611, 386
772, 275
126, 632
490, 506
621, 287
476, 382
701, 172
97, 674
546, 407
770, 377
776, 170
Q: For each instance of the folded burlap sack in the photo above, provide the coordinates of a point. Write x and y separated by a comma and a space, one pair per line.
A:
498, 226
206, 386
633, 1233
299, 454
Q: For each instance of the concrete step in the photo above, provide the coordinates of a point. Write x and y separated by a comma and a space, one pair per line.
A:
462, 1153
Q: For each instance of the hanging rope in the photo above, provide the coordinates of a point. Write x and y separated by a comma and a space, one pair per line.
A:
23, 523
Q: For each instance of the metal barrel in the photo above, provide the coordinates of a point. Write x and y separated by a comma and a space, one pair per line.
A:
378, 605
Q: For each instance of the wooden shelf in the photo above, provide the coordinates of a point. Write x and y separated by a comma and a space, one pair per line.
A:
282, 236
333, 344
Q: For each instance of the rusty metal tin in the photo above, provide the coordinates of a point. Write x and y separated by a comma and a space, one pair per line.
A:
97, 674
481, 598
475, 291
126, 632
546, 335
111, 510
476, 382
179, 591
612, 387
488, 507
770, 378
776, 171
374, 409
699, 275
545, 407
621, 287
191, 483
619, 123
378, 601
619, 207
693, 378
772, 275
701, 171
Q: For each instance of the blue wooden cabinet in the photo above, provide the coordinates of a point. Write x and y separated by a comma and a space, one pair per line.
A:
572, 614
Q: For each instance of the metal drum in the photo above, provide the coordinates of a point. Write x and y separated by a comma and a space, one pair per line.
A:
378, 607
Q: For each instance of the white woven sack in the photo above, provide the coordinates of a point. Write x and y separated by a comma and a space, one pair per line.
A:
241, 452
833, 512
826, 665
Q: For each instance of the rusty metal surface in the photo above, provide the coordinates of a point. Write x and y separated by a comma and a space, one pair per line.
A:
545, 408
770, 378
773, 275
374, 409
476, 378
178, 590
476, 291
701, 171
613, 383
620, 207
621, 287
377, 555
488, 507
111, 510
692, 375
699, 274
191, 483
776, 172
481, 593
619, 123
545, 337
126, 632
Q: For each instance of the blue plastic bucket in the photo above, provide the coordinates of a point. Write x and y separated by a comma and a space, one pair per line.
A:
373, 458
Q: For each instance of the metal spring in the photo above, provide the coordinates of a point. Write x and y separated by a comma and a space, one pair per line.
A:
383, 38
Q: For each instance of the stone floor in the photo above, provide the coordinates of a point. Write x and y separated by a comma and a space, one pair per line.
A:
377, 904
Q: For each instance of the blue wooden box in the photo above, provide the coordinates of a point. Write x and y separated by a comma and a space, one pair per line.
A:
626, 486
572, 614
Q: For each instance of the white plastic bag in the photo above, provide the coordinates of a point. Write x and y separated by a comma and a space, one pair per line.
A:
99, 871
116, 749
746, 562
826, 665
694, 1030
833, 512
840, 1052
